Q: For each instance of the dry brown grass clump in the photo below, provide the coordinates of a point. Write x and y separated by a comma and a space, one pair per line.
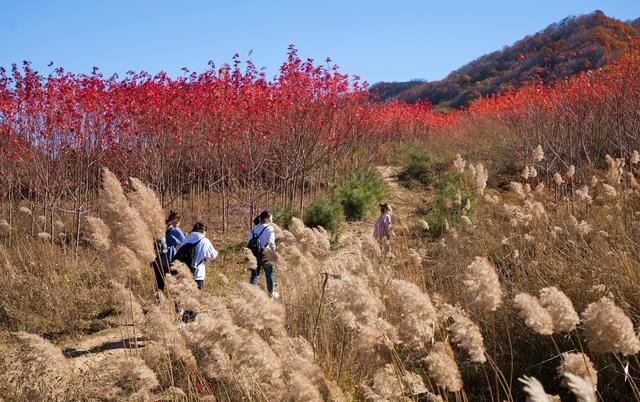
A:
35, 370
46, 290
252, 309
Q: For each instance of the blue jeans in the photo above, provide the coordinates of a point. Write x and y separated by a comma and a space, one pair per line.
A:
269, 272
200, 283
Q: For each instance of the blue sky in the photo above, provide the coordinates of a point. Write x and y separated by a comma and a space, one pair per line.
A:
392, 40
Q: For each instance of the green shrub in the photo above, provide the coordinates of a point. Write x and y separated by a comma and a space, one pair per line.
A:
283, 216
360, 194
419, 170
325, 212
445, 210
437, 221
446, 189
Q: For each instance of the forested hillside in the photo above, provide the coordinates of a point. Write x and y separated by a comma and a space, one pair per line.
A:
563, 49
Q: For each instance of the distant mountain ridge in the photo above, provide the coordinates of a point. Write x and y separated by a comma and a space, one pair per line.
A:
563, 49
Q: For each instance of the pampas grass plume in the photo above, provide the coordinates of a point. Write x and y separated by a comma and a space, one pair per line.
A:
25, 211
5, 228
609, 191
482, 286
608, 329
464, 332
250, 261
44, 236
560, 308
459, 163
557, 179
252, 309
579, 364
272, 257
533, 314
417, 314
580, 387
124, 220
538, 154
145, 201
442, 368
535, 390
97, 233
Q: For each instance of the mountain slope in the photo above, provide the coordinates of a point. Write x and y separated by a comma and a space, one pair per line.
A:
565, 48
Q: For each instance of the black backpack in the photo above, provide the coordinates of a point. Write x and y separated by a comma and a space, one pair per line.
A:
254, 244
160, 246
186, 254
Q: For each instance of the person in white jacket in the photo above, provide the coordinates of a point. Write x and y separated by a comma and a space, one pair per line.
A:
266, 237
203, 251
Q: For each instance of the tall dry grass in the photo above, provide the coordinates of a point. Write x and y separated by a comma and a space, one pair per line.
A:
537, 285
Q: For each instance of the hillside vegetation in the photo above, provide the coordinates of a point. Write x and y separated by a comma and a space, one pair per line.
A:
561, 50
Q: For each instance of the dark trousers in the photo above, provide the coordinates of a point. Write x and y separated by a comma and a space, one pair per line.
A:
160, 268
200, 283
269, 272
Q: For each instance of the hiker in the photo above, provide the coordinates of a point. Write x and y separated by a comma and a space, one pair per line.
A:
382, 229
161, 263
174, 235
166, 248
195, 251
260, 237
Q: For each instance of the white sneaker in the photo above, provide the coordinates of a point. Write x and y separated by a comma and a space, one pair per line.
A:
275, 295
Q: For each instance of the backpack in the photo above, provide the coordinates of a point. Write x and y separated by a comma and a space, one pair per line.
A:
160, 246
254, 244
186, 254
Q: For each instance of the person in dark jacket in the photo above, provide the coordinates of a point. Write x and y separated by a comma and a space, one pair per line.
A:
166, 248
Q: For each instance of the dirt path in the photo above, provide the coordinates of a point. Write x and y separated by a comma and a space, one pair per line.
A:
111, 342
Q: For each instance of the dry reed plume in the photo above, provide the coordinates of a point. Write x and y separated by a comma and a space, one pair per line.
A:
443, 368
560, 308
482, 285
580, 365
608, 329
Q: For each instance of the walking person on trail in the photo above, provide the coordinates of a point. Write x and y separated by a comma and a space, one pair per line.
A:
175, 235
263, 236
166, 248
195, 251
382, 231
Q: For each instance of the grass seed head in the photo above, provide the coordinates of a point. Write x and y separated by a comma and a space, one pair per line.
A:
533, 314
608, 329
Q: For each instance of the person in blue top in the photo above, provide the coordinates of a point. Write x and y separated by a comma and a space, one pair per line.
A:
166, 248
267, 239
175, 235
